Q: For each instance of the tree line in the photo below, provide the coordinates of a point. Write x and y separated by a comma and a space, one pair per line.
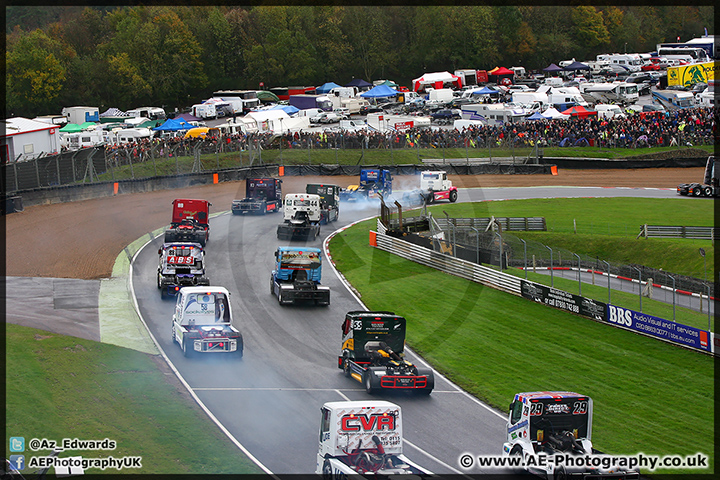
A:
170, 56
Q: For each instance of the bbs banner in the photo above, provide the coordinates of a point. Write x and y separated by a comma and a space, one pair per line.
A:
563, 300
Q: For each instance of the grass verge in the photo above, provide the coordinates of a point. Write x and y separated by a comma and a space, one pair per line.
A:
67, 387
650, 396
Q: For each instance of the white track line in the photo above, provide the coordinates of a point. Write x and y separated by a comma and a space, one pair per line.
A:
182, 380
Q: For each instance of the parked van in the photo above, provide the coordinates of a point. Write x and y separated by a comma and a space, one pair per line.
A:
609, 111
309, 112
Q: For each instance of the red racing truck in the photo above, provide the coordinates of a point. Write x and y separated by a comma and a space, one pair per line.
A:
190, 222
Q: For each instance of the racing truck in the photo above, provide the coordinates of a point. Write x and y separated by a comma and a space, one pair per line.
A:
189, 222
180, 265
202, 322
329, 201
301, 217
372, 353
372, 182
362, 438
555, 424
297, 276
434, 186
262, 195
710, 186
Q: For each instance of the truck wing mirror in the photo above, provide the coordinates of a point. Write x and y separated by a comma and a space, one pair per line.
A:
159, 251
276, 255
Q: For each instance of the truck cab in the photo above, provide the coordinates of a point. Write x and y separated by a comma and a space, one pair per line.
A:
180, 265
362, 438
436, 186
372, 353
554, 423
202, 322
190, 221
297, 275
329, 200
262, 196
301, 216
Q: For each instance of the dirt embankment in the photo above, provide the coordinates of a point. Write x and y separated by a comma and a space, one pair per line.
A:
82, 239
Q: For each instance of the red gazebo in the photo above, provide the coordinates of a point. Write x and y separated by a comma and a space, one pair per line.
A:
579, 111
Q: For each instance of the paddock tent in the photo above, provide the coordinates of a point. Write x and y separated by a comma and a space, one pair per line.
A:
435, 80
173, 125
188, 117
380, 91
579, 111
359, 83
326, 87
553, 114
577, 66
552, 68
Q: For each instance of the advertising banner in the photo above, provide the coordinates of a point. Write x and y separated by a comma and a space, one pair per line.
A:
658, 327
586, 307
689, 75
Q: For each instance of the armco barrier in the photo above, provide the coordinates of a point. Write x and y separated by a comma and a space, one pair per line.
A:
514, 285
455, 266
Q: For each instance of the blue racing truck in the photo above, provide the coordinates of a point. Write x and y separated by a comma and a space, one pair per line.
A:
297, 275
372, 182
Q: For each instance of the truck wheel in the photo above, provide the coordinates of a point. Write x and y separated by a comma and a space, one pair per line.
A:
708, 191
327, 470
453, 196
187, 348
174, 340
430, 382
240, 348
159, 284
346, 366
368, 381
272, 286
696, 191
560, 473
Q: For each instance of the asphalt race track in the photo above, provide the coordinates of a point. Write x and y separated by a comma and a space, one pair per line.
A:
270, 400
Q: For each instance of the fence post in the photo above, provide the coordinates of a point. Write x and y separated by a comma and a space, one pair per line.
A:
57, 168
37, 172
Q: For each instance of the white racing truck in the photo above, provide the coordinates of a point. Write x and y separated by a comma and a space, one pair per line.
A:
362, 438
557, 425
202, 322
301, 217
180, 265
435, 185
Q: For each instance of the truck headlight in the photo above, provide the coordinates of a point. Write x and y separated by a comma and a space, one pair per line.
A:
197, 345
233, 345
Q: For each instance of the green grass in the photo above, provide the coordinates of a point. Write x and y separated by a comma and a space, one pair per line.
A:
67, 387
607, 228
647, 393
332, 156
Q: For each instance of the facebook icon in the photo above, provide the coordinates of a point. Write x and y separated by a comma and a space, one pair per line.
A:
17, 462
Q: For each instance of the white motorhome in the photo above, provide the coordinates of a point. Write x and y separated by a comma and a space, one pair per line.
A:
631, 61
346, 92
128, 135
609, 111
493, 113
529, 98
80, 115
564, 97
151, 113
619, 92
84, 139
204, 110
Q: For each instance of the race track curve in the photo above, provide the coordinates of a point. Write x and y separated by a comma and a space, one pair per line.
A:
270, 400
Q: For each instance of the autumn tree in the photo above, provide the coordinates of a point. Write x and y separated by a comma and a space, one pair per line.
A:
35, 74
